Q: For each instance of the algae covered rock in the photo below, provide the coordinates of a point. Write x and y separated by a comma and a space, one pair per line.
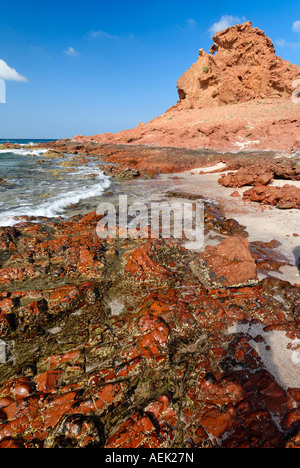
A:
229, 264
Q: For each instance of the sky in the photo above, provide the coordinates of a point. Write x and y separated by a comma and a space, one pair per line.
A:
87, 67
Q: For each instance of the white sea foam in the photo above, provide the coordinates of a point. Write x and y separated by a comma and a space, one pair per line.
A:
24, 151
56, 205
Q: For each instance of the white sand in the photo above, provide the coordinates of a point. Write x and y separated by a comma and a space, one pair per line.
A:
282, 360
263, 223
282, 182
217, 167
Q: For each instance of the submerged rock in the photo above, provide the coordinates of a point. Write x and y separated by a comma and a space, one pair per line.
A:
53, 154
119, 172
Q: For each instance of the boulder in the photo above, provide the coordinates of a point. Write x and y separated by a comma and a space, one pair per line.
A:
286, 197
252, 175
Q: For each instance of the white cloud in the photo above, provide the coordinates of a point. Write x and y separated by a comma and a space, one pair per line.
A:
280, 42
71, 52
226, 22
286, 44
9, 74
296, 26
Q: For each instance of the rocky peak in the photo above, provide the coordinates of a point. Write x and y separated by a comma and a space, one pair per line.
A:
242, 41
242, 66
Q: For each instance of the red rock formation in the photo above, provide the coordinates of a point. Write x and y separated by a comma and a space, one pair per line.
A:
244, 68
229, 264
261, 172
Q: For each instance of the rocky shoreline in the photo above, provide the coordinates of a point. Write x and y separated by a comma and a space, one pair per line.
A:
142, 343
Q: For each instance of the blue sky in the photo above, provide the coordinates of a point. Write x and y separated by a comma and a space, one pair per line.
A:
86, 67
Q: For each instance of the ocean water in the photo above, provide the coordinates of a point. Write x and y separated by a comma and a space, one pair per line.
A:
45, 188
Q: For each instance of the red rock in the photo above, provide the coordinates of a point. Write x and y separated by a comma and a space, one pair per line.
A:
250, 175
140, 432
235, 194
235, 75
227, 77
6, 305
285, 197
294, 442
4, 402
159, 328
140, 263
217, 423
159, 408
22, 408
12, 444
126, 369
22, 388
292, 418
57, 360
48, 380
222, 393
15, 428
166, 363
109, 393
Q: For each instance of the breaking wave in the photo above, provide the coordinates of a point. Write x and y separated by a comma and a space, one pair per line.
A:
55, 206
27, 183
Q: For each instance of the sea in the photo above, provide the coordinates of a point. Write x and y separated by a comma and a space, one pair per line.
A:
44, 188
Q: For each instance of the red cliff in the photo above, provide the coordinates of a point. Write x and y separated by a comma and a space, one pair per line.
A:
238, 96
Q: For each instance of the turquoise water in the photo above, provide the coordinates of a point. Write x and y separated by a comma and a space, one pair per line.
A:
44, 188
